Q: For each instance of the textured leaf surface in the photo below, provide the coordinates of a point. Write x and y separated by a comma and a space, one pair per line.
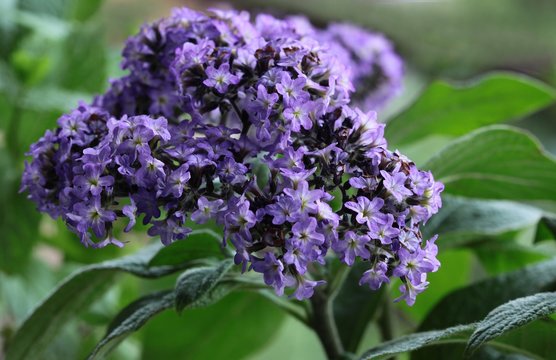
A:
414, 341
199, 244
461, 219
445, 109
511, 315
74, 294
198, 286
131, 319
498, 162
473, 303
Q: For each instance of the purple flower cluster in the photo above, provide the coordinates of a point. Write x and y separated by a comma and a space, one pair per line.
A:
247, 124
376, 70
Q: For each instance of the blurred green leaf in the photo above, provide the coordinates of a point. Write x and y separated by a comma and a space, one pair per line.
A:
511, 315
236, 326
355, 307
444, 109
474, 302
415, 341
80, 10
18, 219
201, 243
81, 62
74, 294
497, 162
131, 319
200, 286
503, 256
463, 220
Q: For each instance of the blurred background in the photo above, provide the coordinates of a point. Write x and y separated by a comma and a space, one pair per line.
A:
54, 53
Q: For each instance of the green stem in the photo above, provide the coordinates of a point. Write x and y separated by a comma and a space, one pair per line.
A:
322, 321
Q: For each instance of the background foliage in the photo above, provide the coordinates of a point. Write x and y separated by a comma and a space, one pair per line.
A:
479, 96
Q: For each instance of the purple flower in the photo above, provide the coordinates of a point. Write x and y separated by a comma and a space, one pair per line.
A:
410, 291
257, 134
412, 265
285, 209
367, 211
220, 78
206, 209
395, 185
273, 271
352, 245
375, 276
291, 89
92, 215
306, 288
177, 181
93, 181
130, 211
299, 115
305, 234
304, 197
384, 231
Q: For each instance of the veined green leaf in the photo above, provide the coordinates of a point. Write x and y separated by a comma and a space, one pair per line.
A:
74, 294
512, 315
445, 109
497, 162
414, 341
199, 286
131, 319
474, 302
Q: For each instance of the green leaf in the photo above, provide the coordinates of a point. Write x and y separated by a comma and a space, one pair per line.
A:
354, 307
81, 62
498, 162
461, 220
474, 302
238, 325
414, 341
445, 109
511, 315
201, 243
131, 319
80, 10
18, 219
199, 286
74, 294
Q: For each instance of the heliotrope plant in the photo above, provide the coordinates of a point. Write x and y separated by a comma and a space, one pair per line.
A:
209, 101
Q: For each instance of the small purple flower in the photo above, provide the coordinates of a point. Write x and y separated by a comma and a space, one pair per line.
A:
285, 209
412, 265
220, 78
384, 231
291, 89
305, 234
273, 271
93, 181
352, 245
299, 115
410, 291
92, 215
367, 211
305, 197
375, 276
306, 288
206, 210
131, 212
177, 181
395, 185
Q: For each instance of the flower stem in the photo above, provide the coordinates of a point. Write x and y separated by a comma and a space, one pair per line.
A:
322, 321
